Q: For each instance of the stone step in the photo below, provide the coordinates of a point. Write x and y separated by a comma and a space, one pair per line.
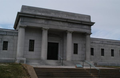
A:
54, 63
76, 73
61, 73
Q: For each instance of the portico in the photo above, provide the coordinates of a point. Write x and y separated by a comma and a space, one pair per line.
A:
52, 35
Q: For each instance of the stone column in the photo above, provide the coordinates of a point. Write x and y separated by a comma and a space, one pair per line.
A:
44, 43
69, 46
88, 47
20, 44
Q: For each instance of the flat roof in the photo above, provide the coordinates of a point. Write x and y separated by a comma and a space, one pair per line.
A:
55, 13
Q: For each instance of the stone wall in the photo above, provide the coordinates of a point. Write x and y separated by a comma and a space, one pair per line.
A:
10, 36
79, 38
33, 34
107, 45
60, 37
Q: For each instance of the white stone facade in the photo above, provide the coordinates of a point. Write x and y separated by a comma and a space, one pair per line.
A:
107, 45
51, 30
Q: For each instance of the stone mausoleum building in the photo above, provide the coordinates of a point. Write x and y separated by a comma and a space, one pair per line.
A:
44, 37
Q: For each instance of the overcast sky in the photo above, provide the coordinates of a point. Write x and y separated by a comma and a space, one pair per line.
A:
105, 13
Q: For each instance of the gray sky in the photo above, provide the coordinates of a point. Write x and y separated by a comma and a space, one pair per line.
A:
105, 13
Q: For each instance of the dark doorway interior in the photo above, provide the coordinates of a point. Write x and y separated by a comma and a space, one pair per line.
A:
52, 53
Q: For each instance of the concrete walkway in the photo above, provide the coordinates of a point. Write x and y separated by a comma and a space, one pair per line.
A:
44, 66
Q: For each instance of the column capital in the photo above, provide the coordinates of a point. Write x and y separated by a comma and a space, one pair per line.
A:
23, 26
70, 31
88, 33
45, 28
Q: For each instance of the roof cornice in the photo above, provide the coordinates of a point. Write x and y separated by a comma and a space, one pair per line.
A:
20, 14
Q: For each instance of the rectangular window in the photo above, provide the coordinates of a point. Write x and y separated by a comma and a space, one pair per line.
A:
102, 52
31, 45
75, 48
112, 52
5, 45
92, 51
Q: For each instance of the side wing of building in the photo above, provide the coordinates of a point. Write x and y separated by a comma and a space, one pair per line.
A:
105, 51
8, 45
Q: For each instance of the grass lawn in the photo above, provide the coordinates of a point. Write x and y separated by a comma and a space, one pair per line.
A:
12, 70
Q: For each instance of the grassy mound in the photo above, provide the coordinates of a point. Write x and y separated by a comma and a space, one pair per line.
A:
12, 70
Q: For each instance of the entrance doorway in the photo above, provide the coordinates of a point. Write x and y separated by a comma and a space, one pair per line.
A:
52, 53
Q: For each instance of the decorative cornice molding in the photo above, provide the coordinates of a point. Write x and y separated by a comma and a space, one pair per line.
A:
71, 31
23, 26
20, 14
45, 28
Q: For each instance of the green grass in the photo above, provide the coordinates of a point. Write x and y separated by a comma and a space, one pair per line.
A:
12, 70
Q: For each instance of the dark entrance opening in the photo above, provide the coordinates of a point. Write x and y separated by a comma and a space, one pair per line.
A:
52, 53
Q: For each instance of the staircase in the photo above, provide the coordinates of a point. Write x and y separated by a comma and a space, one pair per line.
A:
62, 73
76, 73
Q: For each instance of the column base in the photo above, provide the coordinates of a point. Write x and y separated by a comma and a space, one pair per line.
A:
21, 60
